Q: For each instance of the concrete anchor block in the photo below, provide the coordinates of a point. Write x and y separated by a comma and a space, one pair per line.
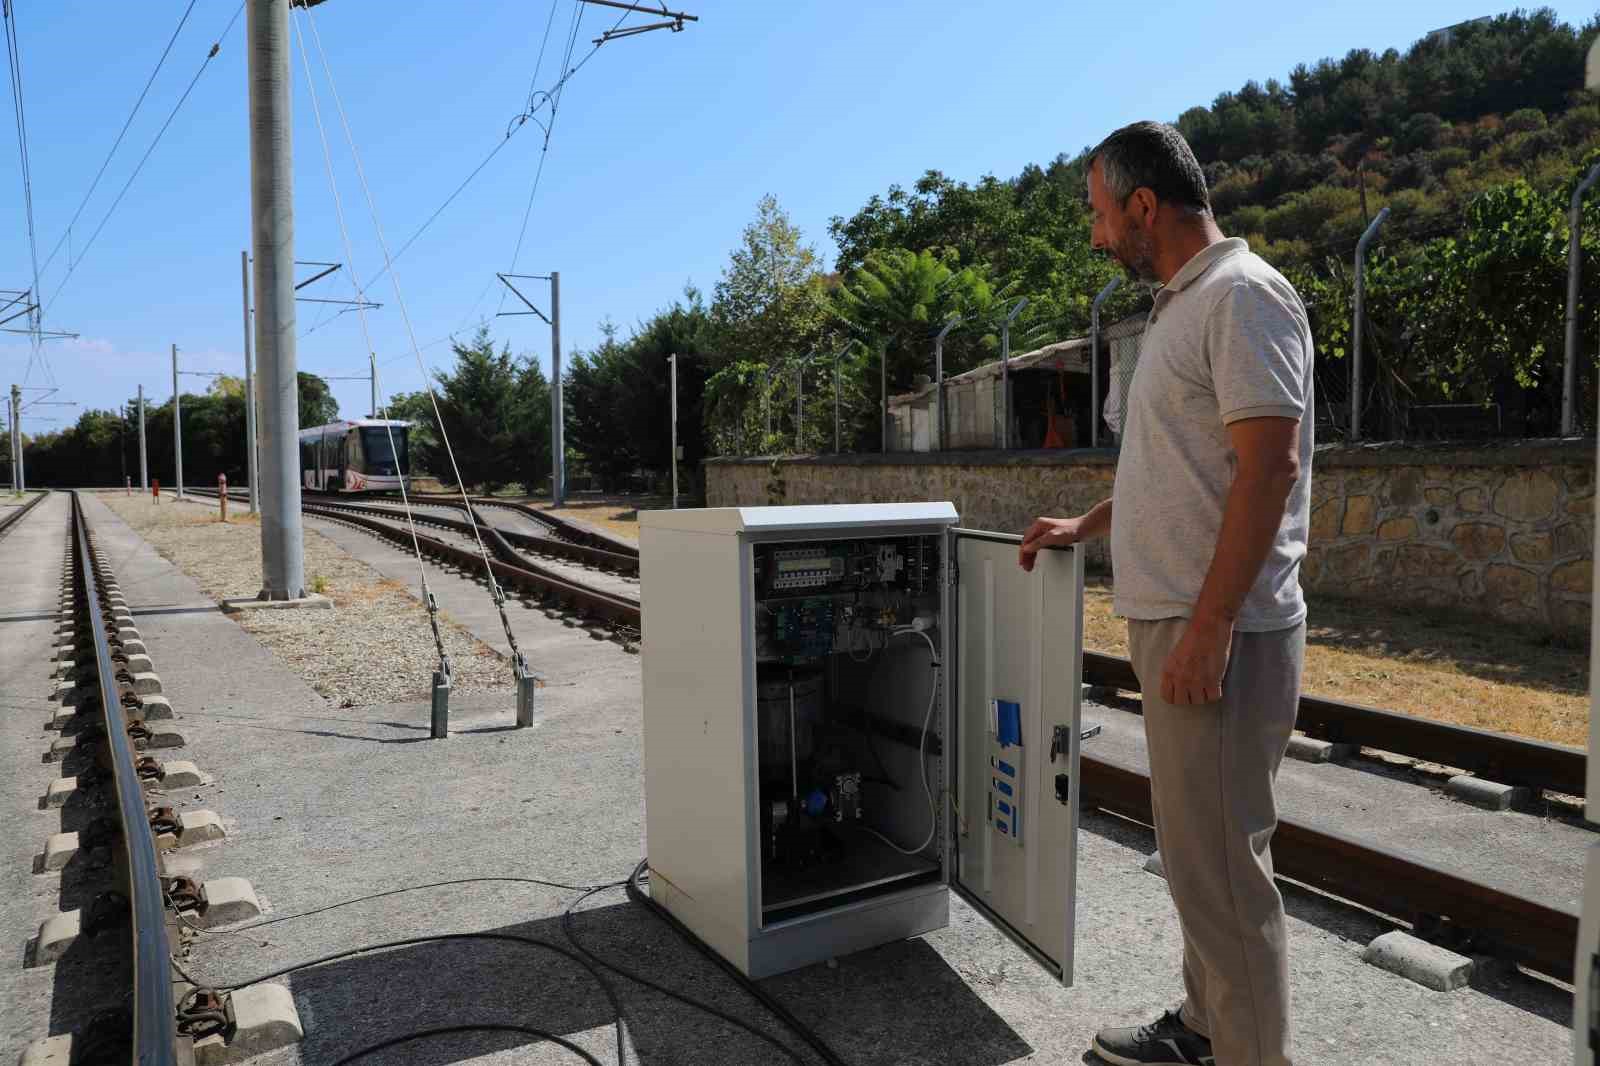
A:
134, 647
197, 827
1490, 795
1154, 865
56, 937
139, 663
1310, 749
181, 774
48, 1051
65, 668
127, 633
59, 850
68, 649
264, 1019
121, 615
60, 748
60, 791
62, 718
155, 708
146, 684
63, 688
227, 899
161, 740
1417, 960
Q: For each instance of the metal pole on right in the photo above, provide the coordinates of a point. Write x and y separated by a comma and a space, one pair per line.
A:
1569, 370
1094, 359
16, 440
940, 437
249, 385
144, 466
1358, 323
558, 455
836, 398
1005, 372
283, 572
177, 428
672, 365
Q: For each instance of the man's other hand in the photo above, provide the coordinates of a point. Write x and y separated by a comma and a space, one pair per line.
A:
1048, 533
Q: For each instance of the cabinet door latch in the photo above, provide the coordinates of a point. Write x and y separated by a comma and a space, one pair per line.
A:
1061, 739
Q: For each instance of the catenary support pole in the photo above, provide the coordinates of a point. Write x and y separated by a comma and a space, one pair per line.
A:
16, 440
1358, 323
672, 386
1005, 372
558, 454
940, 436
249, 385
144, 464
1094, 359
177, 428
272, 238
1569, 371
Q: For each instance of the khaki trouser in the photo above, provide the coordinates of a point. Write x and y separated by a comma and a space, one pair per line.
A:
1212, 769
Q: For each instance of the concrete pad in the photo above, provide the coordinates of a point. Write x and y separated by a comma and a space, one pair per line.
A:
154, 708
59, 850
228, 899
63, 690
133, 647
139, 663
60, 791
264, 1019
182, 774
60, 748
146, 684
1490, 795
1310, 749
66, 669
197, 827
56, 937
127, 633
250, 603
1417, 960
48, 1051
62, 718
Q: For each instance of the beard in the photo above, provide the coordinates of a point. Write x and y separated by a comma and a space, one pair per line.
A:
1136, 252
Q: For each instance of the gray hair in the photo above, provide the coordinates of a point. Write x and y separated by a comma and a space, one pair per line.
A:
1154, 156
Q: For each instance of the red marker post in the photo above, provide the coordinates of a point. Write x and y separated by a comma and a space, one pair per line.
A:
222, 494
155, 490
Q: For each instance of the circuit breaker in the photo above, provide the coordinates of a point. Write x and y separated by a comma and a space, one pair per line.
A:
850, 711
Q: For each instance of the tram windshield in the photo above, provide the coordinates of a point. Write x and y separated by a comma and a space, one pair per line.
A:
376, 447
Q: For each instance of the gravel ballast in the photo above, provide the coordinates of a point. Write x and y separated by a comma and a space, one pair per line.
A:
375, 646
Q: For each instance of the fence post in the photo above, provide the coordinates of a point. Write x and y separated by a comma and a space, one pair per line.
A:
1094, 359
1358, 323
222, 494
1569, 370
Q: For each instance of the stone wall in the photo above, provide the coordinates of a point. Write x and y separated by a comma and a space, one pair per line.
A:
1506, 532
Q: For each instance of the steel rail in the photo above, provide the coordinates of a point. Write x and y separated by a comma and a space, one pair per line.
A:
155, 1032
564, 527
1535, 935
1500, 757
595, 603
19, 513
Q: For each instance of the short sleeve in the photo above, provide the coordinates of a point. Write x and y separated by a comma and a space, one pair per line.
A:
1257, 343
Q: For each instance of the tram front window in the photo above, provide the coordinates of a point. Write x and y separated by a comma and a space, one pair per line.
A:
375, 444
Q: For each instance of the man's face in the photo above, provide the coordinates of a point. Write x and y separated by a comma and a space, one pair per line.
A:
1119, 230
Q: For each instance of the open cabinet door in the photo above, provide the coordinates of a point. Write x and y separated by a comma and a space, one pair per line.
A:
1014, 717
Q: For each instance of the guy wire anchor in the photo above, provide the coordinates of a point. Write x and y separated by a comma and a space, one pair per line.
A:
527, 684
441, 699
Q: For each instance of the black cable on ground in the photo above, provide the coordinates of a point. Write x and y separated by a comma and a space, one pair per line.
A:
605, 985
766, 998
566, 927
487, 1028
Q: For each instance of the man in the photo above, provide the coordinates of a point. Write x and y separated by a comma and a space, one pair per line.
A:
1208, 521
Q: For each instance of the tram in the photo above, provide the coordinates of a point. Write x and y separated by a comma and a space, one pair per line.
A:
359, 455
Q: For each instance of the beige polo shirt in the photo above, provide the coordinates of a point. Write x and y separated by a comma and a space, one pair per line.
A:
1227, 339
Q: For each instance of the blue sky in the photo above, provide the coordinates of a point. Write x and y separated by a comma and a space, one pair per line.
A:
663, 144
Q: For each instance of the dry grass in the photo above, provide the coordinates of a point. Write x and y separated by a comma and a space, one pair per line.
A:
616, 515
1466, 671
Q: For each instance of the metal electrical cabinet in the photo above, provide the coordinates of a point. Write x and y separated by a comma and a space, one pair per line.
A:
848, 712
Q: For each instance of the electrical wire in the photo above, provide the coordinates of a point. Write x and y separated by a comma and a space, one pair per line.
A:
204, 63
922, 751
14, 66
118, 142
482, 1028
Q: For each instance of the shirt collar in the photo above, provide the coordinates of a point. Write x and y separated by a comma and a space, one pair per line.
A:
1202, 260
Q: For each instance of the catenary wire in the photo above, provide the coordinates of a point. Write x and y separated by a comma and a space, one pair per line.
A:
14, 66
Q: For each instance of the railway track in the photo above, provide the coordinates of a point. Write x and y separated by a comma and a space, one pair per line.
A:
147, 1032
1430, 898
19, 513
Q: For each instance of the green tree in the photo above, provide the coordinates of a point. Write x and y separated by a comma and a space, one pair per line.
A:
769, 298
317, 405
